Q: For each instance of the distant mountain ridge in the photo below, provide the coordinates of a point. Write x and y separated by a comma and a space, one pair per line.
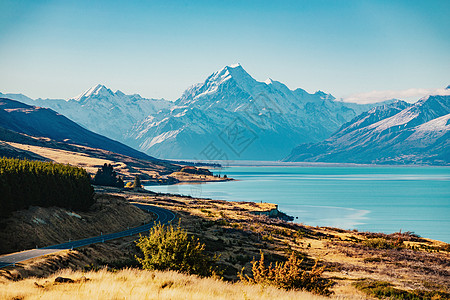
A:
228, 116
101, 110
44, 122
397, 133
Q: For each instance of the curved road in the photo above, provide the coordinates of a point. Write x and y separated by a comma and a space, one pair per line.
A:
163, 215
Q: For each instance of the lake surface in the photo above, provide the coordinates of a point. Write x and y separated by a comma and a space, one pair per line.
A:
379, 199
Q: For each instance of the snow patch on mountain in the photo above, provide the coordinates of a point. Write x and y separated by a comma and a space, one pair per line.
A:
438, 124
397, 120
95, 90
160, 138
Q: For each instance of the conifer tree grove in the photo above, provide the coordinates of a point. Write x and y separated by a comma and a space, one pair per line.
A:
24, 183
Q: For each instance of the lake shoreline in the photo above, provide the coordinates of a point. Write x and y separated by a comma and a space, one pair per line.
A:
257, 163
365, 198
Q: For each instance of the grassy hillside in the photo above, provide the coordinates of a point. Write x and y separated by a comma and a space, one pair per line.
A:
359, 263
44, 122
231, 230
37, 226
13, 144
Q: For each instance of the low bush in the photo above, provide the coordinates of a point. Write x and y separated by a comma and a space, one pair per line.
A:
382, 243
372, 259
383, 290
288, 275
170, 248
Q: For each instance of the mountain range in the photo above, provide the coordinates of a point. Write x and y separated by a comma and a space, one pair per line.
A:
44, 122
101, 110
228, 116
396, 133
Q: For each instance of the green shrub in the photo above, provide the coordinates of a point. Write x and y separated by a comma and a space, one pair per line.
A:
288, 275
170, 248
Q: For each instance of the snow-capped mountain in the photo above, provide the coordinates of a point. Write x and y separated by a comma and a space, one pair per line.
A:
101, 110
395, 133
228, 116
232, 116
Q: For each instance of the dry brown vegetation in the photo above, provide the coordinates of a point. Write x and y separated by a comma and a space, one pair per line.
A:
230, 230
151, 172
139, 284
91, 159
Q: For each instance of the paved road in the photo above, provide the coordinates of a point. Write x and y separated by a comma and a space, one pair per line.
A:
163, 215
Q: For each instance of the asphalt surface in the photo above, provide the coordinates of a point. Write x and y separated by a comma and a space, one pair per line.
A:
163, 215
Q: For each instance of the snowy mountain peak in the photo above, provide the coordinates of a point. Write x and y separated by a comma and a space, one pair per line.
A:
324, 95
233, 77
395, 104
95, 90
238, 72
235, 71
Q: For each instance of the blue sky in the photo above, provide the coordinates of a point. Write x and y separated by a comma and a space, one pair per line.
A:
351, 49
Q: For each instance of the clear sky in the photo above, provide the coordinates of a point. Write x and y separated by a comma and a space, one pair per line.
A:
351, 49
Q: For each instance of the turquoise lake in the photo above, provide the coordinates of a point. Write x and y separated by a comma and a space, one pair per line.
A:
378, 199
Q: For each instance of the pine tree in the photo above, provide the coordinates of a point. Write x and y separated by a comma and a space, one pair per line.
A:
106, 176
137, 182
24, 183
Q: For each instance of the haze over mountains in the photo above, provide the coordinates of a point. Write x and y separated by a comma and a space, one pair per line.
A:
228, 116
396, 133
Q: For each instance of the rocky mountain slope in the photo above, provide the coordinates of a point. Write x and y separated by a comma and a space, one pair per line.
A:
398, 133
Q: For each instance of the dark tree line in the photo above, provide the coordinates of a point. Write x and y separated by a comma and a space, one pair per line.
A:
107, 176
24, 183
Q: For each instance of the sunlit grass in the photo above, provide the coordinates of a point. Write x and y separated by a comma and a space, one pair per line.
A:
139, 284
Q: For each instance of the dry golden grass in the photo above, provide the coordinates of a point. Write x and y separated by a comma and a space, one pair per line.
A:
66, 157
139, 284
230, 230
91, 159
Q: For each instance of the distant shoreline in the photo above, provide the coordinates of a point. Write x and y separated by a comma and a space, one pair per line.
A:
258, 163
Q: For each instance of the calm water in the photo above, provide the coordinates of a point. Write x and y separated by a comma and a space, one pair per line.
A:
381, 199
